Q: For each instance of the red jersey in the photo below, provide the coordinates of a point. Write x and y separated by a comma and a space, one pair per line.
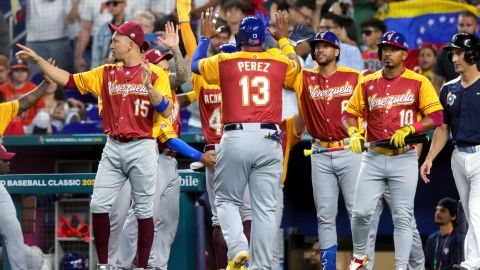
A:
251, 84
389, 104
371, 61
126, 107
10, 93
323, 99
210, 105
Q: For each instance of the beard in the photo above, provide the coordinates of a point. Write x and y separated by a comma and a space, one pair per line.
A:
325, 60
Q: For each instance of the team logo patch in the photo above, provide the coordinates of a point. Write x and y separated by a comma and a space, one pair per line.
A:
446, 250
163, 125
451, 98
389, 36
132, 35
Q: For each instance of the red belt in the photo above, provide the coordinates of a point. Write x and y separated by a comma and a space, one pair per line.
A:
209, 147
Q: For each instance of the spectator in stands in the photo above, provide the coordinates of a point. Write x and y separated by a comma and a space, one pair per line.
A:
221, 38
301, 13
350, 56
442, 250
315, 257
427, 56
5, 34
18, 86
372, 32
4, 70
443, 70
146, 20
348, 33
101, 53
94, 14
235, 11
73, 22
46, 26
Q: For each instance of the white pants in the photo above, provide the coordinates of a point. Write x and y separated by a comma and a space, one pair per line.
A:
466, 172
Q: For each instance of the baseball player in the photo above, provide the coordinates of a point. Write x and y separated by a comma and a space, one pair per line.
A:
210, 103
166, 204
119, 211
10, 229
460, 99
322, 93
251, 84
134, 95
395, 102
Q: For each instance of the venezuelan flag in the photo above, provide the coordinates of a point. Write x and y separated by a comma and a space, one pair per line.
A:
424, 21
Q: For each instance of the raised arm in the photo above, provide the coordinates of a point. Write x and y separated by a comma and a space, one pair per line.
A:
208, 31
280, 34
29, 99
171, 41
56, 74
189, 41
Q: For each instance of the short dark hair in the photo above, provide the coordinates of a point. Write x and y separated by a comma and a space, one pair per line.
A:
334, 17
349, 25
468, 13
307, 4
375, 23
244, 6
225, 27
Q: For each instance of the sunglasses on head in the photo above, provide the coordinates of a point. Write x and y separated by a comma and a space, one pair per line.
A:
113, 3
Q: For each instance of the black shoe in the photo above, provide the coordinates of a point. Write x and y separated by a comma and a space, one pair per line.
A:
458, 267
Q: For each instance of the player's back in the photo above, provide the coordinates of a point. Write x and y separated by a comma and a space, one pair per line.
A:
251, 84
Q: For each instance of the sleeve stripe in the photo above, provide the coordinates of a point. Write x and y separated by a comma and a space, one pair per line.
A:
431, 105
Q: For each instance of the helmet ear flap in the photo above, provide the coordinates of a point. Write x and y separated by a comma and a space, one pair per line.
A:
450, 56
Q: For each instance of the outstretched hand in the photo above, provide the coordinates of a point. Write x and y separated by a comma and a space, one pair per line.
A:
146, 75
171, 39
207, 24
27, 54
281, 25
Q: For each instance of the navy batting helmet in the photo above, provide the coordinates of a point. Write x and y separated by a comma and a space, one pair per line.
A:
250, 32
392, 38
327, 37
465, 41
73, 261
229, 48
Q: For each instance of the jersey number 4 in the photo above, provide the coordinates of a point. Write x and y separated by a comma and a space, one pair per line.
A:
215, 121
263, 85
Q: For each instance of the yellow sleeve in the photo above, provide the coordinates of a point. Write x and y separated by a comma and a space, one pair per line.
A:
189, 41
293, 70
89, 81
356, 104
166, 130
429, 101
292, 137
197, 82
8, 111
209, 69
162, 83
192, 96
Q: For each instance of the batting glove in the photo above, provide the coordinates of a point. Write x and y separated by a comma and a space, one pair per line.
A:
356, 140
183, 10
398, 138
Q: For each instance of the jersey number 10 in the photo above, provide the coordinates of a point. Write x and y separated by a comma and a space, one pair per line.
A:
263, 85
406, 117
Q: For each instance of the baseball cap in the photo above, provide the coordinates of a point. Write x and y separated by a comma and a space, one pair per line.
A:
4, 155
325, 36
132, 30
450, 204
19, 64
154, 56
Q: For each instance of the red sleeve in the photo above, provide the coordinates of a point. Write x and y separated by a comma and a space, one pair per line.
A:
437, 117
346, 115
71, 83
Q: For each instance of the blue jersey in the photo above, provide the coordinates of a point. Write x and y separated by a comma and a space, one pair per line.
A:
462, 111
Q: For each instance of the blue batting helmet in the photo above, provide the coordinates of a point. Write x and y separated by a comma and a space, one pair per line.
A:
229, 48
250, 32
73, 261
327, 37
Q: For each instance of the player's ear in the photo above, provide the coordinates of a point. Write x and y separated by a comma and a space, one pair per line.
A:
404, 55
